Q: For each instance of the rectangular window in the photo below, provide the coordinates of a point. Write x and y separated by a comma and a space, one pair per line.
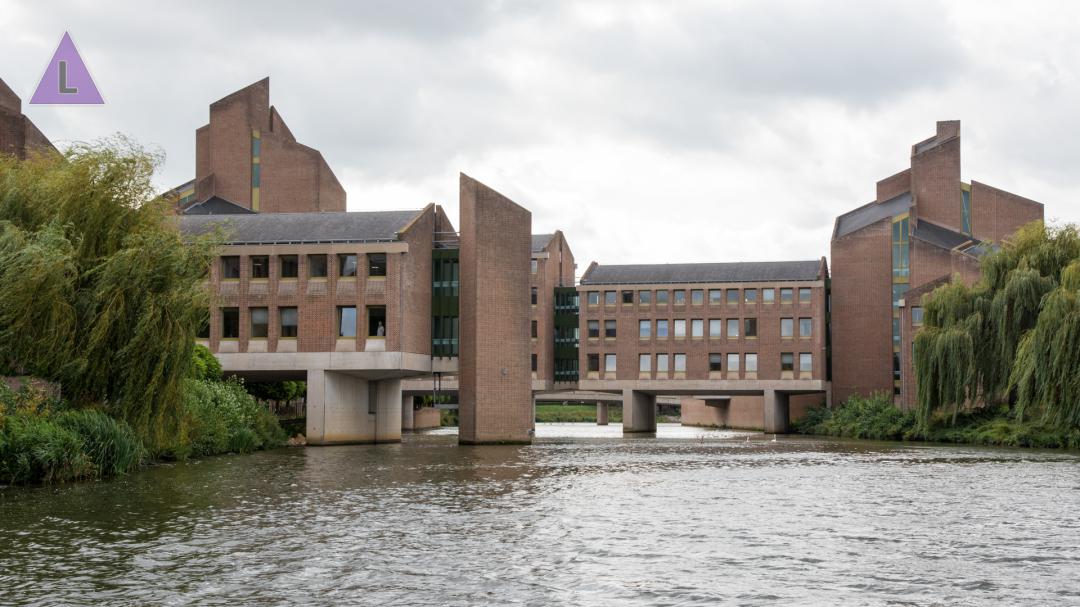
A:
697, 297
965, 210
768, 296
533, 293
732, 362
347, 265
786, 295
806, 362
609, 363
376, 264
751, 363
260, 323
644, 329
750, 327
288, 322
260, 266
594, 298
644, 363
680, 328
733, 296
715, 327
628, 297
787, 327
662, 297
750, 296
230, 323
716, 362
288, 266
716, 296
697, 328
787, 361
804, 295
532, 266
593, 328
661, 363
376, 321
680, 363
609, 328
594, 362
346, 321
680, 297
609, 298
256, 175
806, 327
534, 363
662, 328
316, 266
644, 297
534, 328
230, 267
204, 328
732, 328
916, 316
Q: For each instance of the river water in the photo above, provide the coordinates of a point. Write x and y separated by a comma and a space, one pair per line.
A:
581, 517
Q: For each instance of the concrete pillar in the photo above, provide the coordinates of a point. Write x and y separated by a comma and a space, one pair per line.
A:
388, 411
407, 413
343, 408
776, 412
638, 412
601, 414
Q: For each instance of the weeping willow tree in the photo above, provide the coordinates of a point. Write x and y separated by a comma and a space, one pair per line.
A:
97, 289
1013, 338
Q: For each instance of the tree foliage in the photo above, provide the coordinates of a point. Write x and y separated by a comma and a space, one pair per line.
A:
1013, 338
97, 289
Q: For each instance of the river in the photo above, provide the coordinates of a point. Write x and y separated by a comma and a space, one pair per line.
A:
581, 517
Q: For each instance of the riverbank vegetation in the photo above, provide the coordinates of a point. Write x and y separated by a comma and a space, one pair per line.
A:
100, 300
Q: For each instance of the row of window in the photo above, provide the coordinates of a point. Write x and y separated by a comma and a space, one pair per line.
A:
288, 322
717, 362
697, 296
289, 265
697, 328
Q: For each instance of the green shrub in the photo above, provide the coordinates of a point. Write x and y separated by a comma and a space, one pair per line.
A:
35, 449
204, 365
872, 418
223, 418
110, 444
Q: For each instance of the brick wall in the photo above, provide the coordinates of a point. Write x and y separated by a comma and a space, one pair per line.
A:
935, 183
996, 214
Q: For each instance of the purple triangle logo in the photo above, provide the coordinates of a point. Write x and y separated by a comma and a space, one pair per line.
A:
66, 79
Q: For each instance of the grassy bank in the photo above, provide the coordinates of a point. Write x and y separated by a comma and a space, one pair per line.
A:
876, 418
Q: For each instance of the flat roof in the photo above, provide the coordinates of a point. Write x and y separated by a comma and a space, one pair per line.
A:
741, 271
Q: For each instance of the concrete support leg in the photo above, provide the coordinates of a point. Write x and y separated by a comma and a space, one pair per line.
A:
601, 414
346, 409
407, 414
638, 411
388, 411
776, 412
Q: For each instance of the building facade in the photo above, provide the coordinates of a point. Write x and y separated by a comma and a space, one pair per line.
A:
19, 136
551, 268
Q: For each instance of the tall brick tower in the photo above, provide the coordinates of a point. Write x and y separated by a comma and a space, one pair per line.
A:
18, 135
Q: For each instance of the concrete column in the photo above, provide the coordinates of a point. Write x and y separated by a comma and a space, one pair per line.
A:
407, 416
315, 430
344, 409
776, 412
601, 414
638, 412
388, 411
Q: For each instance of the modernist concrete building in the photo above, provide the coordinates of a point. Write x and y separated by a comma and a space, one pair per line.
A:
18, 134
925, 226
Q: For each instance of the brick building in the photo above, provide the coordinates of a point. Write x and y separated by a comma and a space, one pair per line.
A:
551, 268
18, 134
924, 227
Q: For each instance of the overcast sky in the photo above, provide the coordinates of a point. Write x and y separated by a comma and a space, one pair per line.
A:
646, 131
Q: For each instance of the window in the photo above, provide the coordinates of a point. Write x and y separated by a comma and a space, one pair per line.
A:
733, 362
288, 266
732, 296
662, 297
609, 328
806, 362
260, 322
804, 295
376, 264
680, 297
260, 266
787, 327
732, 328
316, 266
534, 363
609, 298
715, 296
750, 296
662, 328
787, 361
230, 323
680, 363
594, 298
662, 363
680, 328
534, 329
916, 316
288, 321
751, 363
714, 327
786, 295
768, 296
628, 297
644, 297
750, 327
716, 362
806, 327
532, 270
594, 362
376, 321
594, 328
230, 267
644, 363
347, 265
965, 210
204, 328
346, 321
697, 297
697, 328
644, 329
609, 363
532, 295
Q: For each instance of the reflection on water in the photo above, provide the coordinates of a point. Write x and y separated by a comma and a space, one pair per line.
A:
582, 517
